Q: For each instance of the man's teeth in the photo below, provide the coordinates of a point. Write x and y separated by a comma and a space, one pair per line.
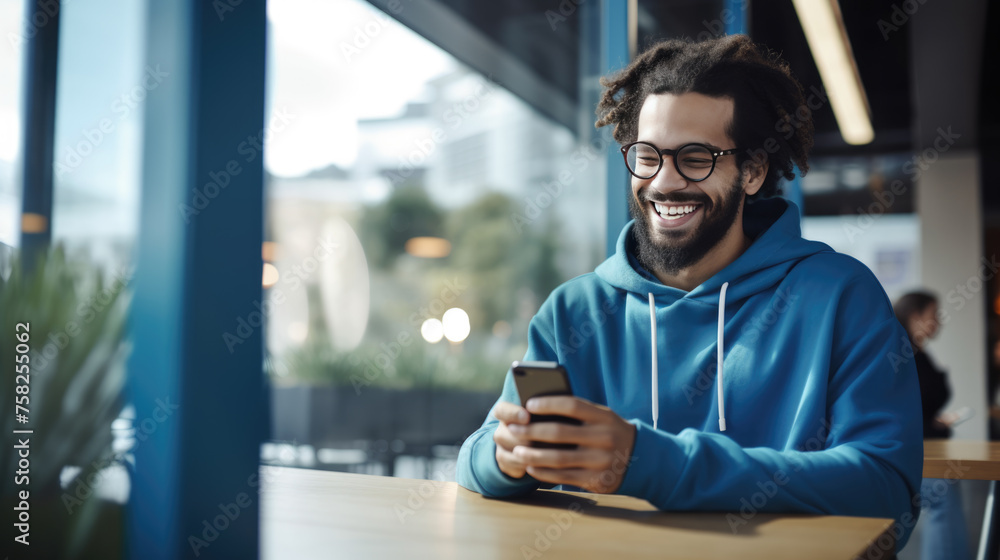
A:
674, 212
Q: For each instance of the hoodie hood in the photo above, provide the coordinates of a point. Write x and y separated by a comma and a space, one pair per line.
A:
777, 247
772, 223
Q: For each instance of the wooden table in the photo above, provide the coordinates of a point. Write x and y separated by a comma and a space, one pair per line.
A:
972, 460
976, 460
321, 514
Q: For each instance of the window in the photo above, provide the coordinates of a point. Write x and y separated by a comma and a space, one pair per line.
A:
11, 61
102, 86
418, 213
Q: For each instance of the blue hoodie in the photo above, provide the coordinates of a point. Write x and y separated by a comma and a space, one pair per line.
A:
817, 409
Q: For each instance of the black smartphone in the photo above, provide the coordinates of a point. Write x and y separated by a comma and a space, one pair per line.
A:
537, 379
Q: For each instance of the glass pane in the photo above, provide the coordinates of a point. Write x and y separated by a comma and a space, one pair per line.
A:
102, 85
418, 214
11, 63
863, 206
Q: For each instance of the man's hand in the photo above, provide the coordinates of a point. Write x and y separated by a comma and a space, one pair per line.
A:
598, 464
509, 415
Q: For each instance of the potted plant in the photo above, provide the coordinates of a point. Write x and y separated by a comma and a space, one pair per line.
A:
62, 362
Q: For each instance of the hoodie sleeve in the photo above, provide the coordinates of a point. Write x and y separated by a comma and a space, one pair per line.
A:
477, 467
868, 465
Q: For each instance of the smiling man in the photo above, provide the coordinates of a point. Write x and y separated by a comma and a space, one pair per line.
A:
718, 361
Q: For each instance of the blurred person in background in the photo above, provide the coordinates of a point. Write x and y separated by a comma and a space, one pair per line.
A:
944, 534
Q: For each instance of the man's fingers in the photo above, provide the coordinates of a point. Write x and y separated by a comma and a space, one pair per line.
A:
558, 458
556, 432
510, 464
511, 413
506, 439
574, 407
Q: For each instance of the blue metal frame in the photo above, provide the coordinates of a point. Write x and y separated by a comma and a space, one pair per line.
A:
738, 23
200, 409
38, 132
614, 57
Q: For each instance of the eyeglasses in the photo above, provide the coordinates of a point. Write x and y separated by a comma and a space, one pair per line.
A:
695, 162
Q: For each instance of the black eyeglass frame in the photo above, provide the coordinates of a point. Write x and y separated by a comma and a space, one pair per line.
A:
673, 156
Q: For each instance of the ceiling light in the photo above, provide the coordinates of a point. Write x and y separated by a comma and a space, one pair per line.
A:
824, 28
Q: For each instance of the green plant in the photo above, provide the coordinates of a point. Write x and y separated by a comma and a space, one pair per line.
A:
76, 326
412, 365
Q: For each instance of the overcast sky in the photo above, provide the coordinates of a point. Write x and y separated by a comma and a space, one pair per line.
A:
331, 62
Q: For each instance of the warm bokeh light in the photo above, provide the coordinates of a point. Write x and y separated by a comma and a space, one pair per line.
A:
269, 251
270, 276
456, 324
428, 247
432, 330
33, 223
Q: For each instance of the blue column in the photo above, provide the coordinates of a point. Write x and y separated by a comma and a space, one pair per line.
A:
614, 57
38, 130
738, 23
200, 407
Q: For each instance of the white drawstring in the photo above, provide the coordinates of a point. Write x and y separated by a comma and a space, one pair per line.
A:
655, 372
656, 388
722, 322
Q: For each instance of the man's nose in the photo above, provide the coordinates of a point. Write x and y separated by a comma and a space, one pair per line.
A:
668, 179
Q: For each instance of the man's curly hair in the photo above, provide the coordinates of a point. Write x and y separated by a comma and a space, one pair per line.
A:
770, 117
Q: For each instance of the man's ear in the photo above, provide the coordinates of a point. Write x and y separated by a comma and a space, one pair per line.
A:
754, 172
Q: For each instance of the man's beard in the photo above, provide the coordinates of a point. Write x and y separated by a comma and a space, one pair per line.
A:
683, 249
